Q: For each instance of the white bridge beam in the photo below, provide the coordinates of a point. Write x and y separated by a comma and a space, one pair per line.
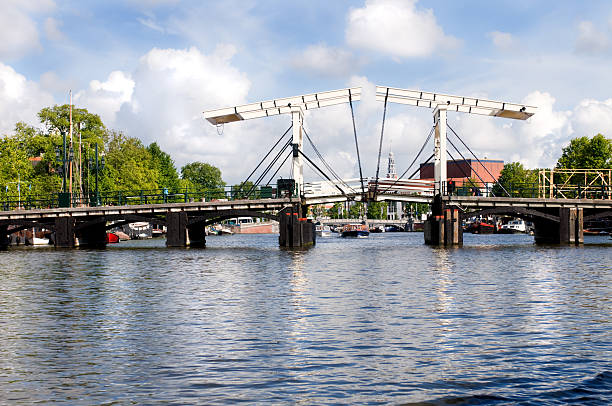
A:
442, 103
295, 106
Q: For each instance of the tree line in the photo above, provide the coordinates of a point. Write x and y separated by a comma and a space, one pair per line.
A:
32, 160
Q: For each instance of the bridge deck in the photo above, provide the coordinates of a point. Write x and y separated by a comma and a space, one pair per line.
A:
262, 204
486, 202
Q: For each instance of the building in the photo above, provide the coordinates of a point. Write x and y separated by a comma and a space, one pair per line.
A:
488, 170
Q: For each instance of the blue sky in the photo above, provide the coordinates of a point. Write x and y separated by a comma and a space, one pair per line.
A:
149, 67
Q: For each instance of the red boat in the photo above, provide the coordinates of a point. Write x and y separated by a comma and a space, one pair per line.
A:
481, 227
112, 238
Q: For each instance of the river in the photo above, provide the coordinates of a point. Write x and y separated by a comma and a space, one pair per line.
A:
349, 321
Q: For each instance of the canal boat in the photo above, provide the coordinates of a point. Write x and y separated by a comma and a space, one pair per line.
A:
322, 230
514, 227
355, 230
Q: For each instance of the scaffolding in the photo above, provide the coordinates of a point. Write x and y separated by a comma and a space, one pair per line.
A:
575, 183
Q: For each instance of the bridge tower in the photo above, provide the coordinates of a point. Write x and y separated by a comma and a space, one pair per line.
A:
296, 106
444, 218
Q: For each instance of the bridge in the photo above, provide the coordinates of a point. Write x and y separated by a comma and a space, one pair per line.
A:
557, 218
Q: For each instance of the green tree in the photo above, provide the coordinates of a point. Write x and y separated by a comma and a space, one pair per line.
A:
377, 210
587, 153
517, 181
241, 189
128, 165
57, 119
356, 210
163, 164
15, 168
202, 175
335, 212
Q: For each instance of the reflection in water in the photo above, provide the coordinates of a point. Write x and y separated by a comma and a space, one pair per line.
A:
384, 319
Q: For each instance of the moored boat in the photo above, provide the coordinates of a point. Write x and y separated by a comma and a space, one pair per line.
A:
514, 227
112, 238
355, 230
322, 231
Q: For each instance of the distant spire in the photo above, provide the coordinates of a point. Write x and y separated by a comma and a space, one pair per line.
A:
391, 173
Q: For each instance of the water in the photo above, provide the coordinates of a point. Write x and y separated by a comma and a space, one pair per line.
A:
378, 320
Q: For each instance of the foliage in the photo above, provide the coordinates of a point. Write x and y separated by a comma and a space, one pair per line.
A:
128, 165
241, 189
587, 153
335, 212
56, 119
163, 164
517, 181
356, 210
377, 210
202, 175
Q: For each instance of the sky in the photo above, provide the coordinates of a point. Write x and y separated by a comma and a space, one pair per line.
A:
150, 68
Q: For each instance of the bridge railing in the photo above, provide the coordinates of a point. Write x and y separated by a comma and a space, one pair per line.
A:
530, 190
136, 197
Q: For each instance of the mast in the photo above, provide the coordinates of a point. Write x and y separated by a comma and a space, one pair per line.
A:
70, 129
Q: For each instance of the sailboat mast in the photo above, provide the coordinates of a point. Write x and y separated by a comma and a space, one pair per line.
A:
72, 158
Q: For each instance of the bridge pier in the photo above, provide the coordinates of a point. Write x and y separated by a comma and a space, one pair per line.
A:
93, 236
5, 239
295, 231
64, 232
443, 226
181, 234
569, 229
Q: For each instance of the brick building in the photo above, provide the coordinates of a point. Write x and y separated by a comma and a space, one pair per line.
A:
460, 170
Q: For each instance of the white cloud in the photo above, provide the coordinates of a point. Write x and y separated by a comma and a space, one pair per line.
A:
590, 40
591, 117
503, 40
323, 60
20, 99
171, 89
17, 30
397, 28
52, 29
106, 98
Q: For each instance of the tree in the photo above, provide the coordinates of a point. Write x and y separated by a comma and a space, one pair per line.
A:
163, 164
202, 175
377, 210
57, 119
587, 153
356, 210
241, 189
128, 165
335, 212
517, 181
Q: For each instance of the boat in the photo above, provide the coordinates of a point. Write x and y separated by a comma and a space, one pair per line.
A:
220, 229
157, 232
514, 227
122, 236
246, 225
323, 231
355, 230
34, 240
481, 227
112, 238
377, 229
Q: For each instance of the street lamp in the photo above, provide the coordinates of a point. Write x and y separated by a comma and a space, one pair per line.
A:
99, 165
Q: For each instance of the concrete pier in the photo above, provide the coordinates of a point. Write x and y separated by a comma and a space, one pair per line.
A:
181, 234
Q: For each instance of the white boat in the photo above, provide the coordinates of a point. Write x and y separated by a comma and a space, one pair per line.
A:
514, 227
322, 230
36, 240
